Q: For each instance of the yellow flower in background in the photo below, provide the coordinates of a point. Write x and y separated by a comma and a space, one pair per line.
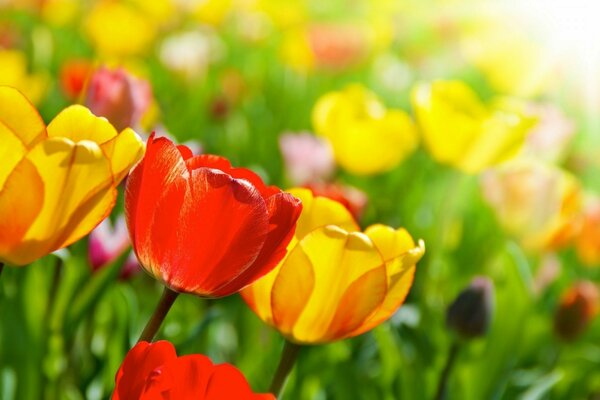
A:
60, 12
536, 203
120, 30
503, 51
13, 72
213, 12
56, 183
295, 50
461, 131
336, 282
367, 138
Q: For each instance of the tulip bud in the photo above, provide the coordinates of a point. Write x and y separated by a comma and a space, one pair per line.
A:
118, 96
307, 158
73, 77
107, 242
577, 307
471, 312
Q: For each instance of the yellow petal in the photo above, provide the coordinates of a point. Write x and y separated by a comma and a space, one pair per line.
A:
123, 151
78, 123
320, 211
20, 202
337, 259
76, 177
317, 212
450, 116
20, 117
372, 146
11, 152
401, 255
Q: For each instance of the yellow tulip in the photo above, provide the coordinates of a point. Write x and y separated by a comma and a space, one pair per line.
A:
57, 182
119, 30
459, 130
366, 137
13, 72
336, 281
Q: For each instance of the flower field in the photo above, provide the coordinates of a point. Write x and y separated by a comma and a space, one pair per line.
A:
299, 200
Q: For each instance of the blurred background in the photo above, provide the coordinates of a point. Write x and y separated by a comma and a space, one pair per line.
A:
242, 78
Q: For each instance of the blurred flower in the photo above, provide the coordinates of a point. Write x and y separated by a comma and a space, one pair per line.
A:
550, 138
152, 371
470, 314
118, 29
244, 230
337, 46
56, 183
344, 282
119, 96
355, 200
107, 242
547, 272
587, 239
503, 50
307, 158
212, 12
74, 75
190, 53
459, 130
534, 202
60, 12
366, 137
13, 72
578, 305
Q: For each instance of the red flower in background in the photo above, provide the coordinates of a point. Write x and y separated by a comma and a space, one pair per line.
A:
152, 371
74, 75
201, 226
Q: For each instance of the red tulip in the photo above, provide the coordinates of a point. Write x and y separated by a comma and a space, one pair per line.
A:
152, 371
201, 226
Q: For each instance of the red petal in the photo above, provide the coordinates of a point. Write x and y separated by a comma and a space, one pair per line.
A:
186, 377
162, 165
185, 151
208, 161
220, 229
227, 382
138, 365
284, 210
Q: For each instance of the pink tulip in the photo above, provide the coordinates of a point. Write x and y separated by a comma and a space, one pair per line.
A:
307, 158
119, 96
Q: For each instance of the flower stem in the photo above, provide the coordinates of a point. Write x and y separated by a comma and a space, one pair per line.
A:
162, 308
441, 388
286, 363
1, 267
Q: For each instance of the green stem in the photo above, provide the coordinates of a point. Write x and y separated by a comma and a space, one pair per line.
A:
286, 363
443, 382
164, 305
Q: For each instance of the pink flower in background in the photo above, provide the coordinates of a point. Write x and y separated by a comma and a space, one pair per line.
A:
119, 96
550, 138
307, 158
107, 242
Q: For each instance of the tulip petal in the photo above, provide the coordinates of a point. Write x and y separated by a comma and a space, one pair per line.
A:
77, 123
401, 255
222, 226
19, 206
161, 166
138, 365
75, 175
359, 301
185, 377
123, 151
325, 252
318, 211
20, 117
285, 305
284, 211
12, 152
226, 382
